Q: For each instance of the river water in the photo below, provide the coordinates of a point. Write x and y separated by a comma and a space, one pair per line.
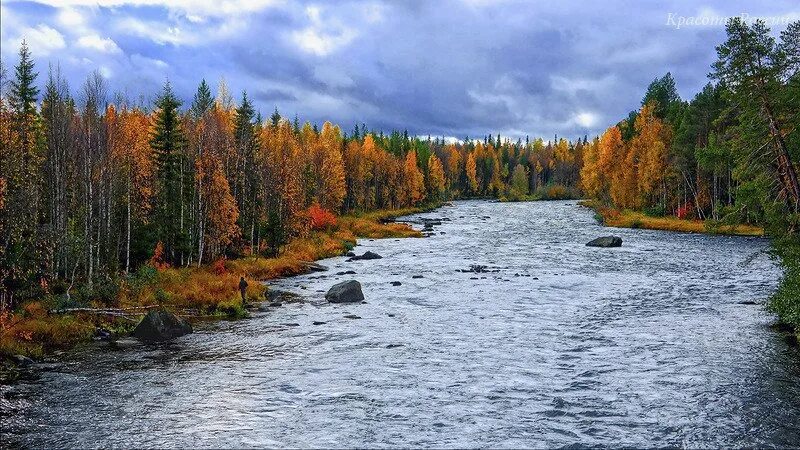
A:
556, 344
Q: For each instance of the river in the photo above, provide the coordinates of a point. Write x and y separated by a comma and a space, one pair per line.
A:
554, 344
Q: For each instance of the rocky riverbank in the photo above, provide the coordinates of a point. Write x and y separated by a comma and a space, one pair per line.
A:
38, 328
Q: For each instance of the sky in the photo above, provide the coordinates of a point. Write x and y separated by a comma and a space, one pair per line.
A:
452, 68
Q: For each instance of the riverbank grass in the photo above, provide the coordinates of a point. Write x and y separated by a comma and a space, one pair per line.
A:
617, 218
206, 292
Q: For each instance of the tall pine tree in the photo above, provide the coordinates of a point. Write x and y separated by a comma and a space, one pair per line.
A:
203, 100
168, 144
21, 176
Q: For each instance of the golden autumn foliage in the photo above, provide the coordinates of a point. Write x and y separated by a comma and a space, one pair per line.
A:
222, 213
415, 183
593, 179
629, 174
649, 148
471, 173
332, 188
436, 177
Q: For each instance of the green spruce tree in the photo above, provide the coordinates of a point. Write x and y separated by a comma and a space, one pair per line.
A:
168, 143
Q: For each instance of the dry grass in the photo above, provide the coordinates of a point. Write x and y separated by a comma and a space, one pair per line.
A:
613, 217
209, 290
33, 331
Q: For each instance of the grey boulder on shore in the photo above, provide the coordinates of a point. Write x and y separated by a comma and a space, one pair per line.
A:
605, 241
345, 292
161, 325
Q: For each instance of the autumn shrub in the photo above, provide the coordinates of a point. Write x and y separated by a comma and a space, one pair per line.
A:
320, 218
218, 266
158, 260
685, 212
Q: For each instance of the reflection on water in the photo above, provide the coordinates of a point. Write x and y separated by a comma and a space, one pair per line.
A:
554, 344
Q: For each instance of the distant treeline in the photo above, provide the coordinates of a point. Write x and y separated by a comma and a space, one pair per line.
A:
92, 188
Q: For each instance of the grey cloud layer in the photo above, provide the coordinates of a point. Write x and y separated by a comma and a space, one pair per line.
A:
452, 68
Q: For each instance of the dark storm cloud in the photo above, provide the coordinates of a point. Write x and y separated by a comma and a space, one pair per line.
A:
453, 68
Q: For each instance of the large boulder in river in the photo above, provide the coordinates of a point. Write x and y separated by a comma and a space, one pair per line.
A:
161, 325
606, 241
345, 292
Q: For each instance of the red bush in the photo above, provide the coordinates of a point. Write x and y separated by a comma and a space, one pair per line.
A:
218, 267
685, 211
320, 218
157, 260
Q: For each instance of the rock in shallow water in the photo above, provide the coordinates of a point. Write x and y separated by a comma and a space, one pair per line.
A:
161, 325
345, 292
22, 360
314, 267
366, 255
124, 343
605, 241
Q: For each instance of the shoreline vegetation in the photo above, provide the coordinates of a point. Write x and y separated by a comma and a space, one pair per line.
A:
209, 292
619, 218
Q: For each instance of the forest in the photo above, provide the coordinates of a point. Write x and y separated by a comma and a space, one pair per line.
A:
95, 188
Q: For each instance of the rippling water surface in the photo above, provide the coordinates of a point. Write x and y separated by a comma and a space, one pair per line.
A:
644, 345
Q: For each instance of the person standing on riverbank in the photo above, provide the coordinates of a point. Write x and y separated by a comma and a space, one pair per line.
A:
243, 289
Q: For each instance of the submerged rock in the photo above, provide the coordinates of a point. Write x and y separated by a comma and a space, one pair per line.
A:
314, 267
101, 334
345, 292
605, 241
22, 360
161, 325
266, 307
280, 296
123, 343
477, 268
366, 255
